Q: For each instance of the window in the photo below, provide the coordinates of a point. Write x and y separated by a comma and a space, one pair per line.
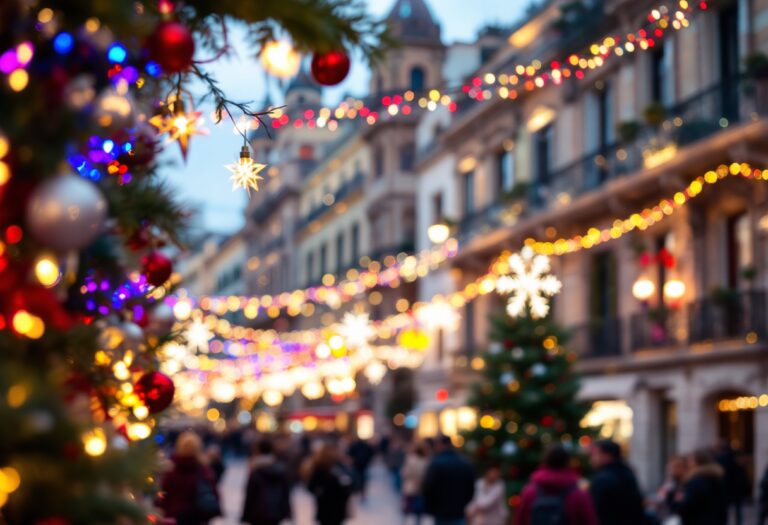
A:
340, 252
355, 243
310, 267
407, 156
469, 193
739, 254
542, 142
323, 260
469, 328
417, 79
729, 52
437, 207
378, 162
657, 74
505, 166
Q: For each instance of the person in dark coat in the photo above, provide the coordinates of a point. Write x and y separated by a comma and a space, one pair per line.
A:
268, 492
449, 485
704, 500
614, 489
361, 453
215, 462
763, 498
332, 483
556, 478
735, 477
180, 487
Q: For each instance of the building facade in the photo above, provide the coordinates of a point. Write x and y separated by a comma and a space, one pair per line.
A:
683, 364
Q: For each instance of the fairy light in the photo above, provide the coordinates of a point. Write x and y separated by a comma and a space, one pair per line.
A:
47, 270
280, 59
95, 442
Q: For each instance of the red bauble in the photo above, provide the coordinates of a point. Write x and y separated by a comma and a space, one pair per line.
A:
157, 268
547, 421
155, 390
330, 68
172, 46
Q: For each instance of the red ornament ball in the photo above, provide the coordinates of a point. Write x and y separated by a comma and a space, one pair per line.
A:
330, 68
157, 268
172, 46
155, 390
547, 421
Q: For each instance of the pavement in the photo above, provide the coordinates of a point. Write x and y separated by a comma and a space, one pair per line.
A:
380, 507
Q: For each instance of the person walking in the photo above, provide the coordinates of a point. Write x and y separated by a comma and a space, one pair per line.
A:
704, 500
361, 453
489, 504
215, 462
736, 479
331, 483
614, 488
188, 490
449, 485
670, 491
413, 473
268, 491
763, 499
553, 495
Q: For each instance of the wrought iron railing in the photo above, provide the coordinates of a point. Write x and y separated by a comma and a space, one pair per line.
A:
728, 315
597, 338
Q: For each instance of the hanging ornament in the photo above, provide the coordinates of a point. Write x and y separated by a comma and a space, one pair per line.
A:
179, 124
245, 172
172, 46
509, 448
161, 320
155, 390
495, 348
518, 353
133, 336
157, 268
538, 370
280, 59
66, 213
330, 68
113, 109
528, 284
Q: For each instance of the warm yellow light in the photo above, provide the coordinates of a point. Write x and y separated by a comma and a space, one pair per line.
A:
643, 289
10, 480
22, 322
95, 442
5, 146
272, 398
138, 431
212, 414
438, 233
182, 310
18, 80
313, 390
120, 369
47, 270
674, 289
140, 411
280, 59
45, 15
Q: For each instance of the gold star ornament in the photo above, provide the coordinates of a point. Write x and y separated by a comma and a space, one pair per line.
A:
179, 124
245, 172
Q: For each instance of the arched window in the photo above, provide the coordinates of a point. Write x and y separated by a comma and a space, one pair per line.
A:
417, 79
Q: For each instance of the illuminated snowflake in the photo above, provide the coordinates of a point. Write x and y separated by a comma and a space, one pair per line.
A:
529, 284
357, 330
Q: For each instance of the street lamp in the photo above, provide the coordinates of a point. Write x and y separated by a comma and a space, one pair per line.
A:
643, 289
438, 233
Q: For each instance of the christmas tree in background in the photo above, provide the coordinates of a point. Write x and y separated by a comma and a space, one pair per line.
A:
90, 93
526, 400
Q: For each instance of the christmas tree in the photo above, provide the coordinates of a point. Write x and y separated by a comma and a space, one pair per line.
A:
526, 401
90, 92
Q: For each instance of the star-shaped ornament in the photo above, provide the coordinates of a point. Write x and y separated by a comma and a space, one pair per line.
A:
179, 124
245, 172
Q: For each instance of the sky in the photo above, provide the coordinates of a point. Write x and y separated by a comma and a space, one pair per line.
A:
203, 182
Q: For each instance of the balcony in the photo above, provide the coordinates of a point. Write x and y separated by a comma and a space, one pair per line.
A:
727, 316
712, 110
597, 338
345, 190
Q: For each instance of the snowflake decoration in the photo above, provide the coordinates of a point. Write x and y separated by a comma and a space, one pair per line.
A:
528, 284
198, 335
357, 330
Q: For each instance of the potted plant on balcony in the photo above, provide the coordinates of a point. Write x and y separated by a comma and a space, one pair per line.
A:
655, 114
517, 193
629, 131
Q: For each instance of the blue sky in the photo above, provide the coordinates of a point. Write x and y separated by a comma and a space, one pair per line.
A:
203, 182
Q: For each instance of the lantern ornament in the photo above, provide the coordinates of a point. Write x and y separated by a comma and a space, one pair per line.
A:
674, 290
438, 233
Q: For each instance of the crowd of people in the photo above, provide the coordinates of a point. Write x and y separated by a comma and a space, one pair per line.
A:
436, 480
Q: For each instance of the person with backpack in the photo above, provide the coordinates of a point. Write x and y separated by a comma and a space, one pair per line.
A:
704, 500
449, 485
188, 490
332, 483
489, 505
553, 496
268, 492
614, 489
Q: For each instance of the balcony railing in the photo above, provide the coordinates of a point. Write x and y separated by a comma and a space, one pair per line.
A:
700, 116
729, 315
598, 338
346, 189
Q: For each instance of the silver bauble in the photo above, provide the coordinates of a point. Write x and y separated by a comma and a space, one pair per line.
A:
113, 109
66, 213
134, 336
161, 320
